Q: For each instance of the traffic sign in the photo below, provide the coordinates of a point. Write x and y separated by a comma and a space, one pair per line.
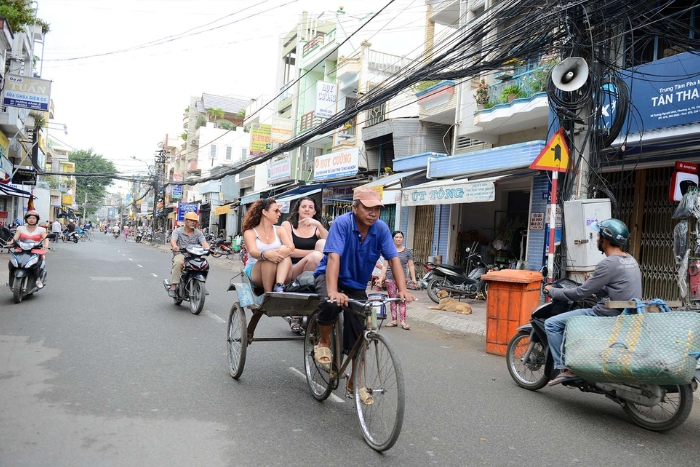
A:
555, 155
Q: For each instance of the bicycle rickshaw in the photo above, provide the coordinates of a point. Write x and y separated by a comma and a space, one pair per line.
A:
377, 367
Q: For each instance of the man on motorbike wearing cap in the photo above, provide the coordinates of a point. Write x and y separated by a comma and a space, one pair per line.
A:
33, 232
616, 277
183, 237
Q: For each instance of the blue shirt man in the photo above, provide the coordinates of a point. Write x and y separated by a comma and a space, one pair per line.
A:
358, 257
352, 248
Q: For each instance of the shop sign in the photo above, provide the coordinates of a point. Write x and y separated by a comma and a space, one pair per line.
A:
557, 216
27, 93
184, 208
280, 169
281, 130
456, 193
336, 164
222, 210
537, 221
144, 207
260, 139
665, 93
331, 195
66, 200
325, 99
176, 192
6, 167
55, 201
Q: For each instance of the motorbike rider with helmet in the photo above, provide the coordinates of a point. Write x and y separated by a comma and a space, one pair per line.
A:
33, 232
616, 277
183, 237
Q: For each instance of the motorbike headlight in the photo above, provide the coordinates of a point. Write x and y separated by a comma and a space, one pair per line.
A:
32, 262
13, 261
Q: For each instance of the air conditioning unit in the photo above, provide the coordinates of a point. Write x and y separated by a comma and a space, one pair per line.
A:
195, 142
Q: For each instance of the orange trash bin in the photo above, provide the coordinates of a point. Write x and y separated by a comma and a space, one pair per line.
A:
512, 297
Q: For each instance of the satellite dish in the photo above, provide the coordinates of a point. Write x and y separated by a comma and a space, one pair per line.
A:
570, 74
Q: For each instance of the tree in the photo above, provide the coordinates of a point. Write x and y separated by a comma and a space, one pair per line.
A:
215, 114
95, 187
19, 14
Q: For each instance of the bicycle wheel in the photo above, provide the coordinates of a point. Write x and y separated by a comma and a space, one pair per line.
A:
83, 237
215, 251
319, 377
379, 372
237, 341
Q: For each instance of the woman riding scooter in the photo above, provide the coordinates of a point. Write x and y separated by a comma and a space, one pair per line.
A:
32, 232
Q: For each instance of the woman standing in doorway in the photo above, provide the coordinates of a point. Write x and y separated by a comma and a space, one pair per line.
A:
406, 257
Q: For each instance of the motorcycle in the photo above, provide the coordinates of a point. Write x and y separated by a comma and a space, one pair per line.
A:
116, 234
71, 236
139, 236
530, 364
193, 278
220, 248
467, 282
25, 266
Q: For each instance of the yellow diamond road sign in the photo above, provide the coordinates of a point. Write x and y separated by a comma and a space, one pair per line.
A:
554, 156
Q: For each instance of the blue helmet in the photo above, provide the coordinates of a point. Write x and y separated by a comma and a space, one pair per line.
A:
613, 230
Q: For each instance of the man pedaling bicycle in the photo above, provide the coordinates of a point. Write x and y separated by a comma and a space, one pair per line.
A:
354, 244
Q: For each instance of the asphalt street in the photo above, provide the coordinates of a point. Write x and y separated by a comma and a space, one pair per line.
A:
101, 368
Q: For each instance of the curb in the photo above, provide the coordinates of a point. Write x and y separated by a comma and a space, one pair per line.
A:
448, 323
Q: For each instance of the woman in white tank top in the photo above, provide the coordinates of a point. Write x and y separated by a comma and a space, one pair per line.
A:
269, 247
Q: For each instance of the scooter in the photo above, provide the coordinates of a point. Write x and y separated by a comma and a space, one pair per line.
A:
71, 236
530, 364
26, 265
139, 236
193, 278
467, 282
220, 248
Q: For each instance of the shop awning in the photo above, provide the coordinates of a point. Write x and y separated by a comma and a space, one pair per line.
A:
393, 179
247, 199
288, 198
450, 191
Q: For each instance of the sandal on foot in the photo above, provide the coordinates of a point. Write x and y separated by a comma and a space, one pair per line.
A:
390, 325
323, 355
405, 326
563, 378
366, 397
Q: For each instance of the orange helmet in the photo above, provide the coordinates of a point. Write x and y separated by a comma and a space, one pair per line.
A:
191, 216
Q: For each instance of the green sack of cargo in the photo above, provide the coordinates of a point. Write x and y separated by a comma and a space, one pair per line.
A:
648, 348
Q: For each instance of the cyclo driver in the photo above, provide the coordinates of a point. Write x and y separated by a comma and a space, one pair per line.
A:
352, 249
182, 238
617, 277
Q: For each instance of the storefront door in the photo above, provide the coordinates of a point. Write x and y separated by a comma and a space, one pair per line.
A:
423, 233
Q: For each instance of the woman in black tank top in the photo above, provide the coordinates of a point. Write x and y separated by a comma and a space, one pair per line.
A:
308, 235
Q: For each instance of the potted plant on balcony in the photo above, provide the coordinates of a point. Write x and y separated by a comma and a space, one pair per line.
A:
510, 93
481, 96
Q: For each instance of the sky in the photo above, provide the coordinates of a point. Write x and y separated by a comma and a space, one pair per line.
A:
121, 104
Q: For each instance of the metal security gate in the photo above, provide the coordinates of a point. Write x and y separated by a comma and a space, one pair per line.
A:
642, 198
423, 233
388, 215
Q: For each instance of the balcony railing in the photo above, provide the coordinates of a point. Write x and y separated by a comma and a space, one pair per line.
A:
376, 115
313, 44
309, 121
386, 62
522, 85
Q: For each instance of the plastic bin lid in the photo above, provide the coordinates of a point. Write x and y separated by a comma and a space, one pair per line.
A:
513, 275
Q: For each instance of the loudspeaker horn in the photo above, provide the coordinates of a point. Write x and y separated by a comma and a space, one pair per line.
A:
570, 74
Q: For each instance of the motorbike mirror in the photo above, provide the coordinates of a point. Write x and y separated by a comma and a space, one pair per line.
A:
468, 250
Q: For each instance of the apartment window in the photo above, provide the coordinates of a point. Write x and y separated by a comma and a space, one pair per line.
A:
244, 154
229, 151
212, 148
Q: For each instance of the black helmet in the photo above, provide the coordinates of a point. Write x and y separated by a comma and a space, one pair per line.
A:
32, 213
613, 230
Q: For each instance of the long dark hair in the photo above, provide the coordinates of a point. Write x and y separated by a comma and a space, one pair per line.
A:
294, 218
252, 217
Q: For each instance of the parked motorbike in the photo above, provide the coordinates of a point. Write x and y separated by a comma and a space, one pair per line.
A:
25, 266
193, 279
219, 247
530, 364
427, 276
467, 282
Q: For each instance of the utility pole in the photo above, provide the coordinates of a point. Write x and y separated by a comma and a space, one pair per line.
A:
159, 171
85, 208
